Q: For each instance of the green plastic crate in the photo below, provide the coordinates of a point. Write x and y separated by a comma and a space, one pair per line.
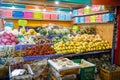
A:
86, 73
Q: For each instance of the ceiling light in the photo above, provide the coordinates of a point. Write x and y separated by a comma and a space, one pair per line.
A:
13, 7
87, 7
70, 12
44, 9
56, 2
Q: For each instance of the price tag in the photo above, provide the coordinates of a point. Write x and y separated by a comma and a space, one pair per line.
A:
1, 23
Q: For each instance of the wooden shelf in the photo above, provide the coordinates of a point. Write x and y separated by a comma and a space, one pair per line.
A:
95, 13
34, 19
93, 23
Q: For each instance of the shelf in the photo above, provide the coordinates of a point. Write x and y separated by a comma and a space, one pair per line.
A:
87, 53
27, 58
34, 19
93, 23
95, 13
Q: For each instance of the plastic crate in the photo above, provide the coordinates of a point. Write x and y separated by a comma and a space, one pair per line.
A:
87, 19
93, 18
80, 11
108, 17
110, 75
86, 73
61, 16
18, 14
75, 12
54, 16
28, 14
38, 15
99, 18
77, 20
46, 16
82, 19
6, 13
95, 8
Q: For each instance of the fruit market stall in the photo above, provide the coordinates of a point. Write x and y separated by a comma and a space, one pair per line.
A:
40, 40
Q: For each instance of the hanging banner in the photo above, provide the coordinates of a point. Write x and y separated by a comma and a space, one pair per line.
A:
1, 24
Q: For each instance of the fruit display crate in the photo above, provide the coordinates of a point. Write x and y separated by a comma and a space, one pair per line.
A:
59, 70
110, 75
27, 76
86, 73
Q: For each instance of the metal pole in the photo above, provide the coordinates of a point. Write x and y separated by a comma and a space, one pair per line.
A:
114, 35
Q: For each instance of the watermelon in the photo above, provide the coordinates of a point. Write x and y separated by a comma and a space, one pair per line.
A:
50, 32
43, 32
67, 31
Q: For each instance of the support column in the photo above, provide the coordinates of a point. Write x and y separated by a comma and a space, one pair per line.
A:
117, 50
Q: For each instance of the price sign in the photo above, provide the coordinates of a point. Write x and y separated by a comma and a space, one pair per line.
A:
1, 20
1, 23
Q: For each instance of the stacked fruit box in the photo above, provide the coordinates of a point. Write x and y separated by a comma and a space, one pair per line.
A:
28, 74
63, 69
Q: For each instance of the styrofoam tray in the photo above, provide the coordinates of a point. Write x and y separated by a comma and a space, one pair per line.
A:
60, 68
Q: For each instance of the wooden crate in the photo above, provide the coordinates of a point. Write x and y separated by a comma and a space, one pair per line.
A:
107, 75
